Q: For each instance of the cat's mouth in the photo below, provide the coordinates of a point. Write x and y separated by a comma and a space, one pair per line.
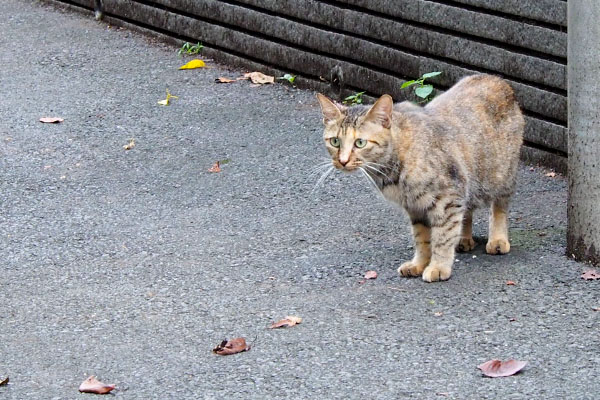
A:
349, 167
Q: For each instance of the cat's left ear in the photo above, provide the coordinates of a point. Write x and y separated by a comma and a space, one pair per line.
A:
381, 112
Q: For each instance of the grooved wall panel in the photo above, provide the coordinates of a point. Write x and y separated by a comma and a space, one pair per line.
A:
379, 44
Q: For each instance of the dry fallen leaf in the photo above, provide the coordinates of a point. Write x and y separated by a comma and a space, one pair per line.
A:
51, 120
551, 174
288, 321
497, 368
232, 346
215, 168
196, 63
590, 275
259, 78
4, 382
130, 145
93, 385
438, 313
510, 283
165, 102
371, 275
222, 79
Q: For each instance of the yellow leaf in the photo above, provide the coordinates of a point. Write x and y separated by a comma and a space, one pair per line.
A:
193, 64
165, 102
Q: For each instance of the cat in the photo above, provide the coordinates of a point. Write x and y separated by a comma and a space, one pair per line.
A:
438, 162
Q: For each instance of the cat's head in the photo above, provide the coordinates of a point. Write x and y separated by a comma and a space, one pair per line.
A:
358, 135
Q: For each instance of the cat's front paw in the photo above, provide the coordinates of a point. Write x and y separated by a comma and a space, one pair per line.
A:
465, 244
410, 268
497, 246
435, 273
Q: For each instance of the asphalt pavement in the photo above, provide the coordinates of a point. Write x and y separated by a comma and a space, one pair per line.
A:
133, 265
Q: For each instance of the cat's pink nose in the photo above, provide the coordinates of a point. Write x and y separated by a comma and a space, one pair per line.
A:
343, 162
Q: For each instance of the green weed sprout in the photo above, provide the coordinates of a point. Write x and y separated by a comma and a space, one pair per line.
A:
288, 77
353, 99
422, 90
190, 49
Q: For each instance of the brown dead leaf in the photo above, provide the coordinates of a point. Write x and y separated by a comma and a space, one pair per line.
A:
259, 78
510, 283
222, 79
93, 385
551, 174
51, 120
497, 368
4, 382
215, 168
232, 346
371, 275
288, 321
590, 275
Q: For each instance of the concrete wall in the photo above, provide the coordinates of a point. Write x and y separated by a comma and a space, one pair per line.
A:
379, 44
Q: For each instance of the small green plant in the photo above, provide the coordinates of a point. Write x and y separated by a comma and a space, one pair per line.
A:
353, 99
422, 90
288, 77
190, 49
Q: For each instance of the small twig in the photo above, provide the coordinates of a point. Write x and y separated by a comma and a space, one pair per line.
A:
396, 288
255, 340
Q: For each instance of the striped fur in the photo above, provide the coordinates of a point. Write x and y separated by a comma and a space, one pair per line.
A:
438, 162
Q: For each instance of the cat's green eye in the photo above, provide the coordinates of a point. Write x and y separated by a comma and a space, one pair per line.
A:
360, 143
335, 142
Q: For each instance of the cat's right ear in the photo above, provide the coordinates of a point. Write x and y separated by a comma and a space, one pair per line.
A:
331, 112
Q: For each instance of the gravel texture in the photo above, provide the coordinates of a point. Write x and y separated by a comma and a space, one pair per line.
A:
132, 265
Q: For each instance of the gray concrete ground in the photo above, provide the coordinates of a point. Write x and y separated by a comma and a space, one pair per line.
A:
133, 265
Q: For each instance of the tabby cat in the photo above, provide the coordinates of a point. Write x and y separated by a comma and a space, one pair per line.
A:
439, 162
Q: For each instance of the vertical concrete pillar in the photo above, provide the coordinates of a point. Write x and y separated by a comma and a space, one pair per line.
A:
583, 235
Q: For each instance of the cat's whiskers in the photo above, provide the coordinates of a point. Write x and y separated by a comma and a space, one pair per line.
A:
317, 169
323, 177
369, 177
376, 164
373, 167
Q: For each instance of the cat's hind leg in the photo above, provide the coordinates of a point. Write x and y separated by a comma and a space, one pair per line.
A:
466, 242
422, 238
498, 233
